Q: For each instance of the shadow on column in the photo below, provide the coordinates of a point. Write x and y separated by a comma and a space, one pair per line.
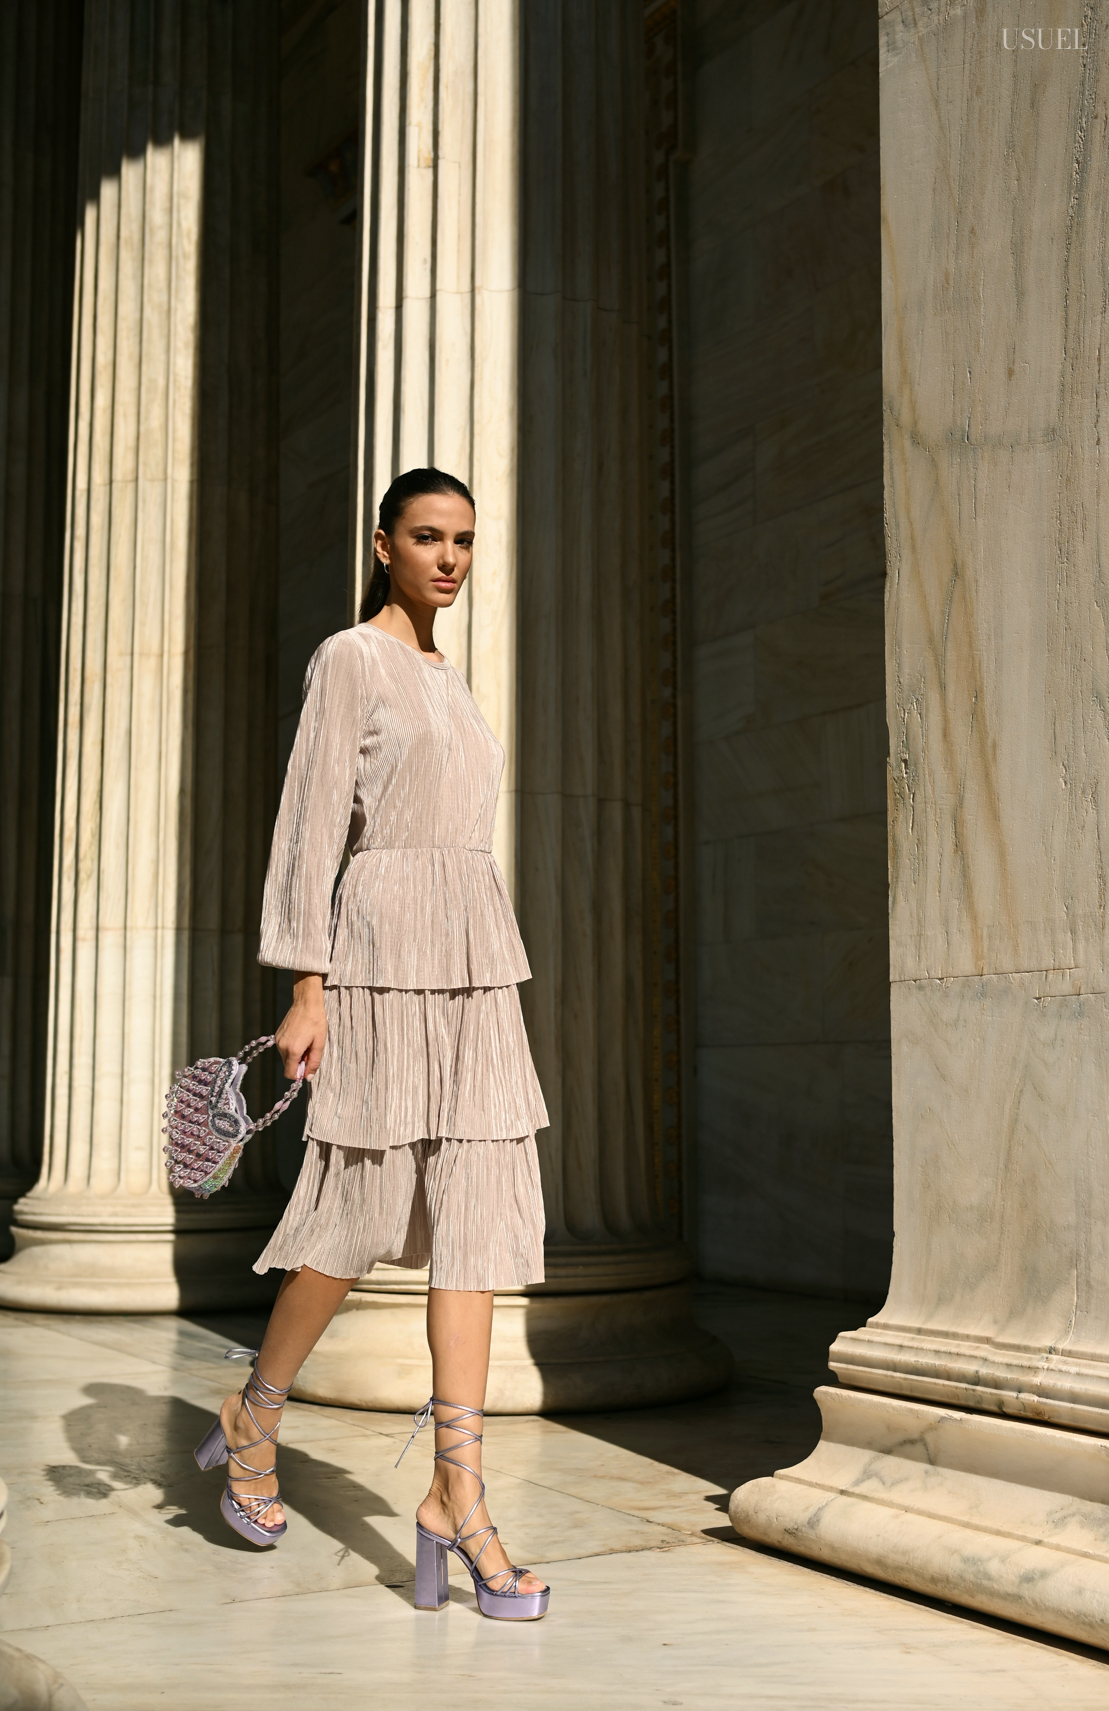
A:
40, 82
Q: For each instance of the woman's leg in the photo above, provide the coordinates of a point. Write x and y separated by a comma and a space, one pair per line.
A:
459, 1327
305, 1305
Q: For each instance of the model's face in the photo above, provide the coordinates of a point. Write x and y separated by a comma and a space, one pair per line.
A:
430, 549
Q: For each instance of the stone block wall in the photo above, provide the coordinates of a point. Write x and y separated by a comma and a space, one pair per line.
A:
787, 569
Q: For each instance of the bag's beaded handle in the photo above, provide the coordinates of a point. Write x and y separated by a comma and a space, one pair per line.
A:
247, 1055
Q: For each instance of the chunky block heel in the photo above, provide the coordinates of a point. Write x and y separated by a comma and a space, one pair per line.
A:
431, 1571
212, 1449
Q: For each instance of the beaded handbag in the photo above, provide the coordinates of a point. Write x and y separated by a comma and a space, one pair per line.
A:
207, 1120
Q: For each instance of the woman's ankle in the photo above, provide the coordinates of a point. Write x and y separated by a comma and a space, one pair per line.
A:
242, 1426
452, 1492
452, 1501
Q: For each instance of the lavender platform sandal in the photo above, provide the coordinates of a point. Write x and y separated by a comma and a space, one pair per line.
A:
246, 1513
504, 1603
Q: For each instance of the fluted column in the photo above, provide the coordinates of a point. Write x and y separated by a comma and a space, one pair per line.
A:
40, 72
166, 723
964, 1451
438, 311
521, 363
586, 591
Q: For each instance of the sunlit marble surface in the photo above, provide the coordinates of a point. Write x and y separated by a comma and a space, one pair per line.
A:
125, 1579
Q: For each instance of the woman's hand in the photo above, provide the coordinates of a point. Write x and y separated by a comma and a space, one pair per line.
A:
303, 1034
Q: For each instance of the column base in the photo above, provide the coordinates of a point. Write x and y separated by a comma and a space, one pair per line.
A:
1067, 1387
552, 1353
1000, 1515
124, 1271
12, 1188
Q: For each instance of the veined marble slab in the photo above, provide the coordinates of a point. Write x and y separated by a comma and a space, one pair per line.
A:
126, 1578
1007, 1516
707, 1629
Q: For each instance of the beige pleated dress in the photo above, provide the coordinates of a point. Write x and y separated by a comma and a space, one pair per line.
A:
420, 1132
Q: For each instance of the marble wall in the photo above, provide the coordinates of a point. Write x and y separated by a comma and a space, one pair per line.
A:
995, 316
784, 388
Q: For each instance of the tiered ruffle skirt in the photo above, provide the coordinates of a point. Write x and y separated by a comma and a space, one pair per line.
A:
420, 1142
470, 1210
404, 1066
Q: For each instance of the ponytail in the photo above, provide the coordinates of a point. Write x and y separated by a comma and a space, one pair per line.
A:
377, 592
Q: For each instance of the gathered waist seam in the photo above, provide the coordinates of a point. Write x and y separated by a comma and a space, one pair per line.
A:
434, 849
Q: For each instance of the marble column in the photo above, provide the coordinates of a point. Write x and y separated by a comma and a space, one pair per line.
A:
166, 706
505, 336
965, 1453
438, 310
40, 71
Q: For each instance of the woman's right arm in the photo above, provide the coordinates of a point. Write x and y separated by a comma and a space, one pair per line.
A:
312, 826
303, 1034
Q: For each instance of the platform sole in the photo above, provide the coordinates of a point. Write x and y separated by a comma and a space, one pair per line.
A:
432, 1592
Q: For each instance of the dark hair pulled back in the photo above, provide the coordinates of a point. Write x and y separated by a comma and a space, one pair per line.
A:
413, 484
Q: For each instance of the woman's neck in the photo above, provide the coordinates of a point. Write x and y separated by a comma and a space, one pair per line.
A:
408, 622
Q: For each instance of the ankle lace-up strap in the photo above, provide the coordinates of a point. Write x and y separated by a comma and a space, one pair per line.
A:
466, 1438
257, 1393
420, 1421
423, 1418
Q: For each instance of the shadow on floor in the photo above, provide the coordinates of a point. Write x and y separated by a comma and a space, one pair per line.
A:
245, 1328
123, 1439
766, 1417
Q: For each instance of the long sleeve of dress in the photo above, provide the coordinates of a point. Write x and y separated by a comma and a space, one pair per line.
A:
314, 819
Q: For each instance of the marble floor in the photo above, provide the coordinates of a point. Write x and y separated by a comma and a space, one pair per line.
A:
125, 1579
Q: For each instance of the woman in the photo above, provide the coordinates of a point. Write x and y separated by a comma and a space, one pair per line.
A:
406, 1021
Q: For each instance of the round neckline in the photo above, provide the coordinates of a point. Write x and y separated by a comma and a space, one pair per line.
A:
435, 664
